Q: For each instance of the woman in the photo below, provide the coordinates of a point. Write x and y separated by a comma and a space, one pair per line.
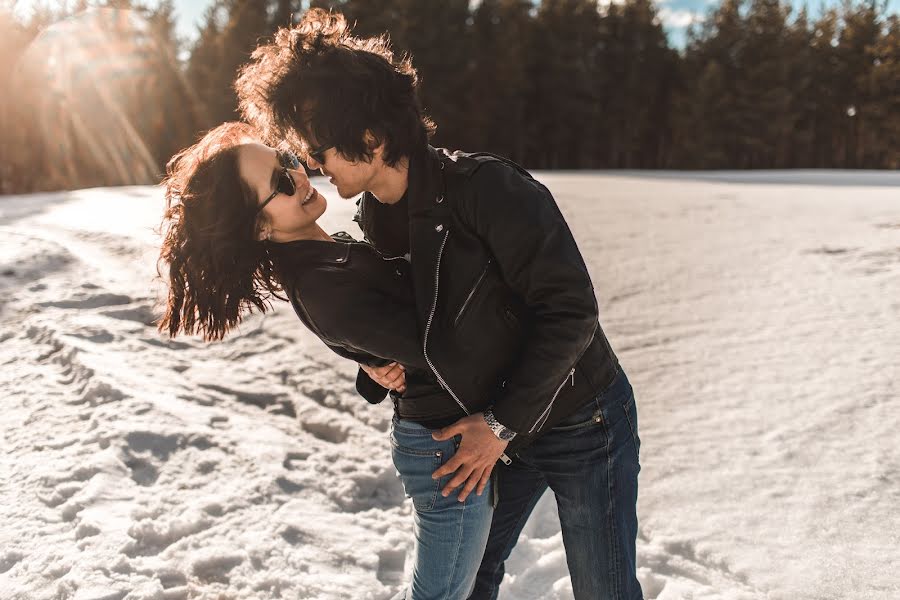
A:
239, 228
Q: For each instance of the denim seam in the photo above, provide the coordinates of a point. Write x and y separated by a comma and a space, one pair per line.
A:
411, 451
435, 489
610, 511
460, 527
634, 436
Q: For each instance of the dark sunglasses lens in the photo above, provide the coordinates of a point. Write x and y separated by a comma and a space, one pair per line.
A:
286, 183
290, 160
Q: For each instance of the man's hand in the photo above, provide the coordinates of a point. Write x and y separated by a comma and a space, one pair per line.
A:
473, 462
392, 376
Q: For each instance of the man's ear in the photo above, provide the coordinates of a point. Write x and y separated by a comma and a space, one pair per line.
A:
373, 142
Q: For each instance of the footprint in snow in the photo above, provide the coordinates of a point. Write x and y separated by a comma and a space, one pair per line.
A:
390, 566
292, 460
327, 432
142, 314
98, 301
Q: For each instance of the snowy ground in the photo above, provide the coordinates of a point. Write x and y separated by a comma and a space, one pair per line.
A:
757, 316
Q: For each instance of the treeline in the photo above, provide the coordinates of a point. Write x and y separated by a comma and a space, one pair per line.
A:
567, 84
98, 99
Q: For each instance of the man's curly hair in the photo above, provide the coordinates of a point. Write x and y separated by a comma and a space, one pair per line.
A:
318, 85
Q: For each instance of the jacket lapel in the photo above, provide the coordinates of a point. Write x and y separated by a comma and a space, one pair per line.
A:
429, 225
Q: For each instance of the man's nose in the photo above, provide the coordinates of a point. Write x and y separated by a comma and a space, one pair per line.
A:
313, 164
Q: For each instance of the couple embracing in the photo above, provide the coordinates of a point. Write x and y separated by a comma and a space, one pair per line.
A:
468, 304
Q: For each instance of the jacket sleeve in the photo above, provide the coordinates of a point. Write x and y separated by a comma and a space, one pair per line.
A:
357, 317
369, 389
365, 385
374, 331
358, 320
521, 225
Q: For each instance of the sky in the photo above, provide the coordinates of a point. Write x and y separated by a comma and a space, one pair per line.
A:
676, 15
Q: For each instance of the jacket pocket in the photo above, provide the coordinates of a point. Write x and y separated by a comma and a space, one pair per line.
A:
472, 292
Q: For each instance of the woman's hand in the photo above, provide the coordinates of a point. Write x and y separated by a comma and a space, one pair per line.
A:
392, 376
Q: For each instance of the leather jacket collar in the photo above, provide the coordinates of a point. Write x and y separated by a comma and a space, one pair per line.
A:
309, 252
426, 182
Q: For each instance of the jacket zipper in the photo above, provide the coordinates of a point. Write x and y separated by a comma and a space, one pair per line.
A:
465, 305
544, 415
437, 272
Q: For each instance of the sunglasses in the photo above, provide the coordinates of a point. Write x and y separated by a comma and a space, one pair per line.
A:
285, 183
318, 154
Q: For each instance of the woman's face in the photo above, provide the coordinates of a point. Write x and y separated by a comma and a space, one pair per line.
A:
287, 218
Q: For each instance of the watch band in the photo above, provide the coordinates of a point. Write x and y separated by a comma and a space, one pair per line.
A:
501, 431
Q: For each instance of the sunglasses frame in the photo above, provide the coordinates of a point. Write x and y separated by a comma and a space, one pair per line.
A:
318, 154
293, 163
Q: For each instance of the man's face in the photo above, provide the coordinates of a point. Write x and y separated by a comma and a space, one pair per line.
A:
351, 178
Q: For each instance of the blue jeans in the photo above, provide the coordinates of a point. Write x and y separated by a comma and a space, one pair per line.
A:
590, 461
450, 535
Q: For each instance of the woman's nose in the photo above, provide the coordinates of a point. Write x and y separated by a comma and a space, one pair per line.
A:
299, 174
313, 164
298, 177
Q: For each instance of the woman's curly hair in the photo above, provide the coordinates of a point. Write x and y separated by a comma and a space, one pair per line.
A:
318, 84
217, 268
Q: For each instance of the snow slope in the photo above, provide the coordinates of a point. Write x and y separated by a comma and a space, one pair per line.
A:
756, 314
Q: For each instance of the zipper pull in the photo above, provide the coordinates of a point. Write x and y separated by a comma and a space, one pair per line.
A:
572, 375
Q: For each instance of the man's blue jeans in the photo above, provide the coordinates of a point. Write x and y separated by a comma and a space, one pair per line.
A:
450, 535
590, 461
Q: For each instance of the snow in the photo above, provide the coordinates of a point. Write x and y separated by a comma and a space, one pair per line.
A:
756, 314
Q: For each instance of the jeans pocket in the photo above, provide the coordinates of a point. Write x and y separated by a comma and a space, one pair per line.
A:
587, 416
594, 421
415, 466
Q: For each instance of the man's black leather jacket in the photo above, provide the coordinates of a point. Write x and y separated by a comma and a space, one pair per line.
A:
505, 305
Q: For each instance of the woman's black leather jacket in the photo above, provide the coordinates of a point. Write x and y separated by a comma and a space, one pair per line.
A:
361, 305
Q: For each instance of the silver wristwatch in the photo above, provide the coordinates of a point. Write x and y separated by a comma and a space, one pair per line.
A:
501, 431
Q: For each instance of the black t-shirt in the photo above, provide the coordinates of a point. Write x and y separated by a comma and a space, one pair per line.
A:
388, 231
387, 224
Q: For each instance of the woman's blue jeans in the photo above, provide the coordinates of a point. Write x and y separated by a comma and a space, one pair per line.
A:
450, 535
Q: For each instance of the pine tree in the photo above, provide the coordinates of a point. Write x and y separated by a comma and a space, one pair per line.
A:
231, 30
498, 81
709, 129
860, 34
884, 89
633, 74
565, 100
764, 89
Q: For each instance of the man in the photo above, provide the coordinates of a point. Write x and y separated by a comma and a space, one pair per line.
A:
503, 296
